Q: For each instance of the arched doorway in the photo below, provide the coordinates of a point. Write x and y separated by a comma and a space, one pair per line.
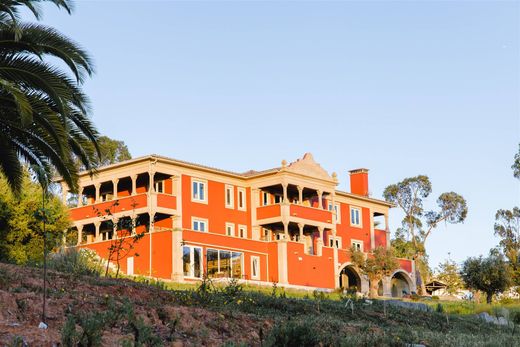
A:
350, 279
401, 284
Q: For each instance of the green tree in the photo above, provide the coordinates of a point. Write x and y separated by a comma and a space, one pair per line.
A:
375, 266
448, 272
112, 151
21, 234
516, 164
490, 275
43, 111
507, 227
417, 223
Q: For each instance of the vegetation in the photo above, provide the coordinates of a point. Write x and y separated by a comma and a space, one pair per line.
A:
112, 151
43, 113
490, 275
516, 164
417, 223
507, 227
21, 232
375, 266
448, 273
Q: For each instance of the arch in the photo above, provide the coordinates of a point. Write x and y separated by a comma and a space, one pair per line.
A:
349, 278
401, 284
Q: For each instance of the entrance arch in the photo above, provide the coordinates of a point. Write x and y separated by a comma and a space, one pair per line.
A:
349, 278
401, 284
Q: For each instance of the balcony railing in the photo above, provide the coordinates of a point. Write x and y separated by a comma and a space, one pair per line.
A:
126, 203
294, 210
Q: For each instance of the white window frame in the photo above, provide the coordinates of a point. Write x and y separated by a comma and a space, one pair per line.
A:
205, 190
244, 229
231, 189
130, 266
360, 216
335, 240
199, 220
156, 186
266, 234
257, 276
265, 199
192, 262
337, 210
242, 201
232, 227
218, 250
357, 242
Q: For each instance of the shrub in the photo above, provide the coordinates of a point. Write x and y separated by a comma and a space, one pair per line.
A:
76, 262
435, 297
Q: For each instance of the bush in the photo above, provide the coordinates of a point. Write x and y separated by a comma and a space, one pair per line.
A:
435, 297
76, 262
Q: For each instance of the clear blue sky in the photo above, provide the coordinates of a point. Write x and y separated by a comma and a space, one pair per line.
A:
402, 88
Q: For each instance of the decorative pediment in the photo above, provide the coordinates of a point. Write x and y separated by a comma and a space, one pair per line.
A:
308, 167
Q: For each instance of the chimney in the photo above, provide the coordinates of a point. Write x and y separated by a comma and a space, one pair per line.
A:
359, 181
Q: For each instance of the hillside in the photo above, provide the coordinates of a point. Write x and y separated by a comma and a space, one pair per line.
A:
123, 311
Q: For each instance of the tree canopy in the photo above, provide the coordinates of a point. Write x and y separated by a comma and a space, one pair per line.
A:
112, 151
44, 114
490, 275
448, 272
516, 164
507, 227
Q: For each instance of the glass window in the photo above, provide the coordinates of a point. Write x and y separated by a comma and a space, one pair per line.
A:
199, 225
192, 261
255, 268
358, 245
278, 199
198, 191
241, 199
212, 262
242, 231
159, 186
225, 263
230, 229
236, 264
229, 196
265, 198
355, 216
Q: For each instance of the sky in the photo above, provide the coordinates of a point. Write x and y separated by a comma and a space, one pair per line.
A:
401, 88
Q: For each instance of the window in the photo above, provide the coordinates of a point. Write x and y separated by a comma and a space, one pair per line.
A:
230, 229
224, 263
358, 245
255, 268
159, 187
265, 198
230, 192
335, 242
241, 199
192, 261
242, 231
198, 191
278, 199
199, 224
337, 211
355, 216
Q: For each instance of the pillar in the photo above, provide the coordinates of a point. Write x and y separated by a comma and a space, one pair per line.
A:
372, 232
387, 286
286, 230
97, 186
80, 197
320, 241
115, 181
387, 232
301, 226
96, 237
300, 195
80, 234
282, 262
152, 216
285, 199
134, 184
151, 181
320, 197
177, 265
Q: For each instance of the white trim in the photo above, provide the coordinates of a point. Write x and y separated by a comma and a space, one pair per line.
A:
242, 201
257, 276
360, 217
156, 186
361, 244
230, 261
205, 190
336, 212
335, 240
266, 199
199, 220
192, 262
231, 203
130, 266
232, 227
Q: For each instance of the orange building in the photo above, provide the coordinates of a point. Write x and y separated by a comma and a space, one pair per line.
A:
288, 224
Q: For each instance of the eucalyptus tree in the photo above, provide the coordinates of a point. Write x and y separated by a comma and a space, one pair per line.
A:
516, 164
507, 227
44, 114
409, 195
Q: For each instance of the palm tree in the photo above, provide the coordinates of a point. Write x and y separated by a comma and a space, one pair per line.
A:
44, 115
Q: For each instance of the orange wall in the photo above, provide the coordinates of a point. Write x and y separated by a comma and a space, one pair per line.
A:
215, 211
309, 270
406, 264
311, 213
269, 211
359, 183
380, 237
125, 204
347, 232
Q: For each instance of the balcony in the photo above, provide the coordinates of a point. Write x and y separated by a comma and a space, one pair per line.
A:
274, 212
166, 201
127, 203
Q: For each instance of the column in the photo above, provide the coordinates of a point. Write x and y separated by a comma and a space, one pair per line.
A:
151, 176
96, 237
300, 195
97, 186
80, 233
387, 286
286, 230
320, 241
134, 184
177, 269
372, 232
301, 226
115, 181
152, 217
285, 199
320, 197
80, 197
335, 261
